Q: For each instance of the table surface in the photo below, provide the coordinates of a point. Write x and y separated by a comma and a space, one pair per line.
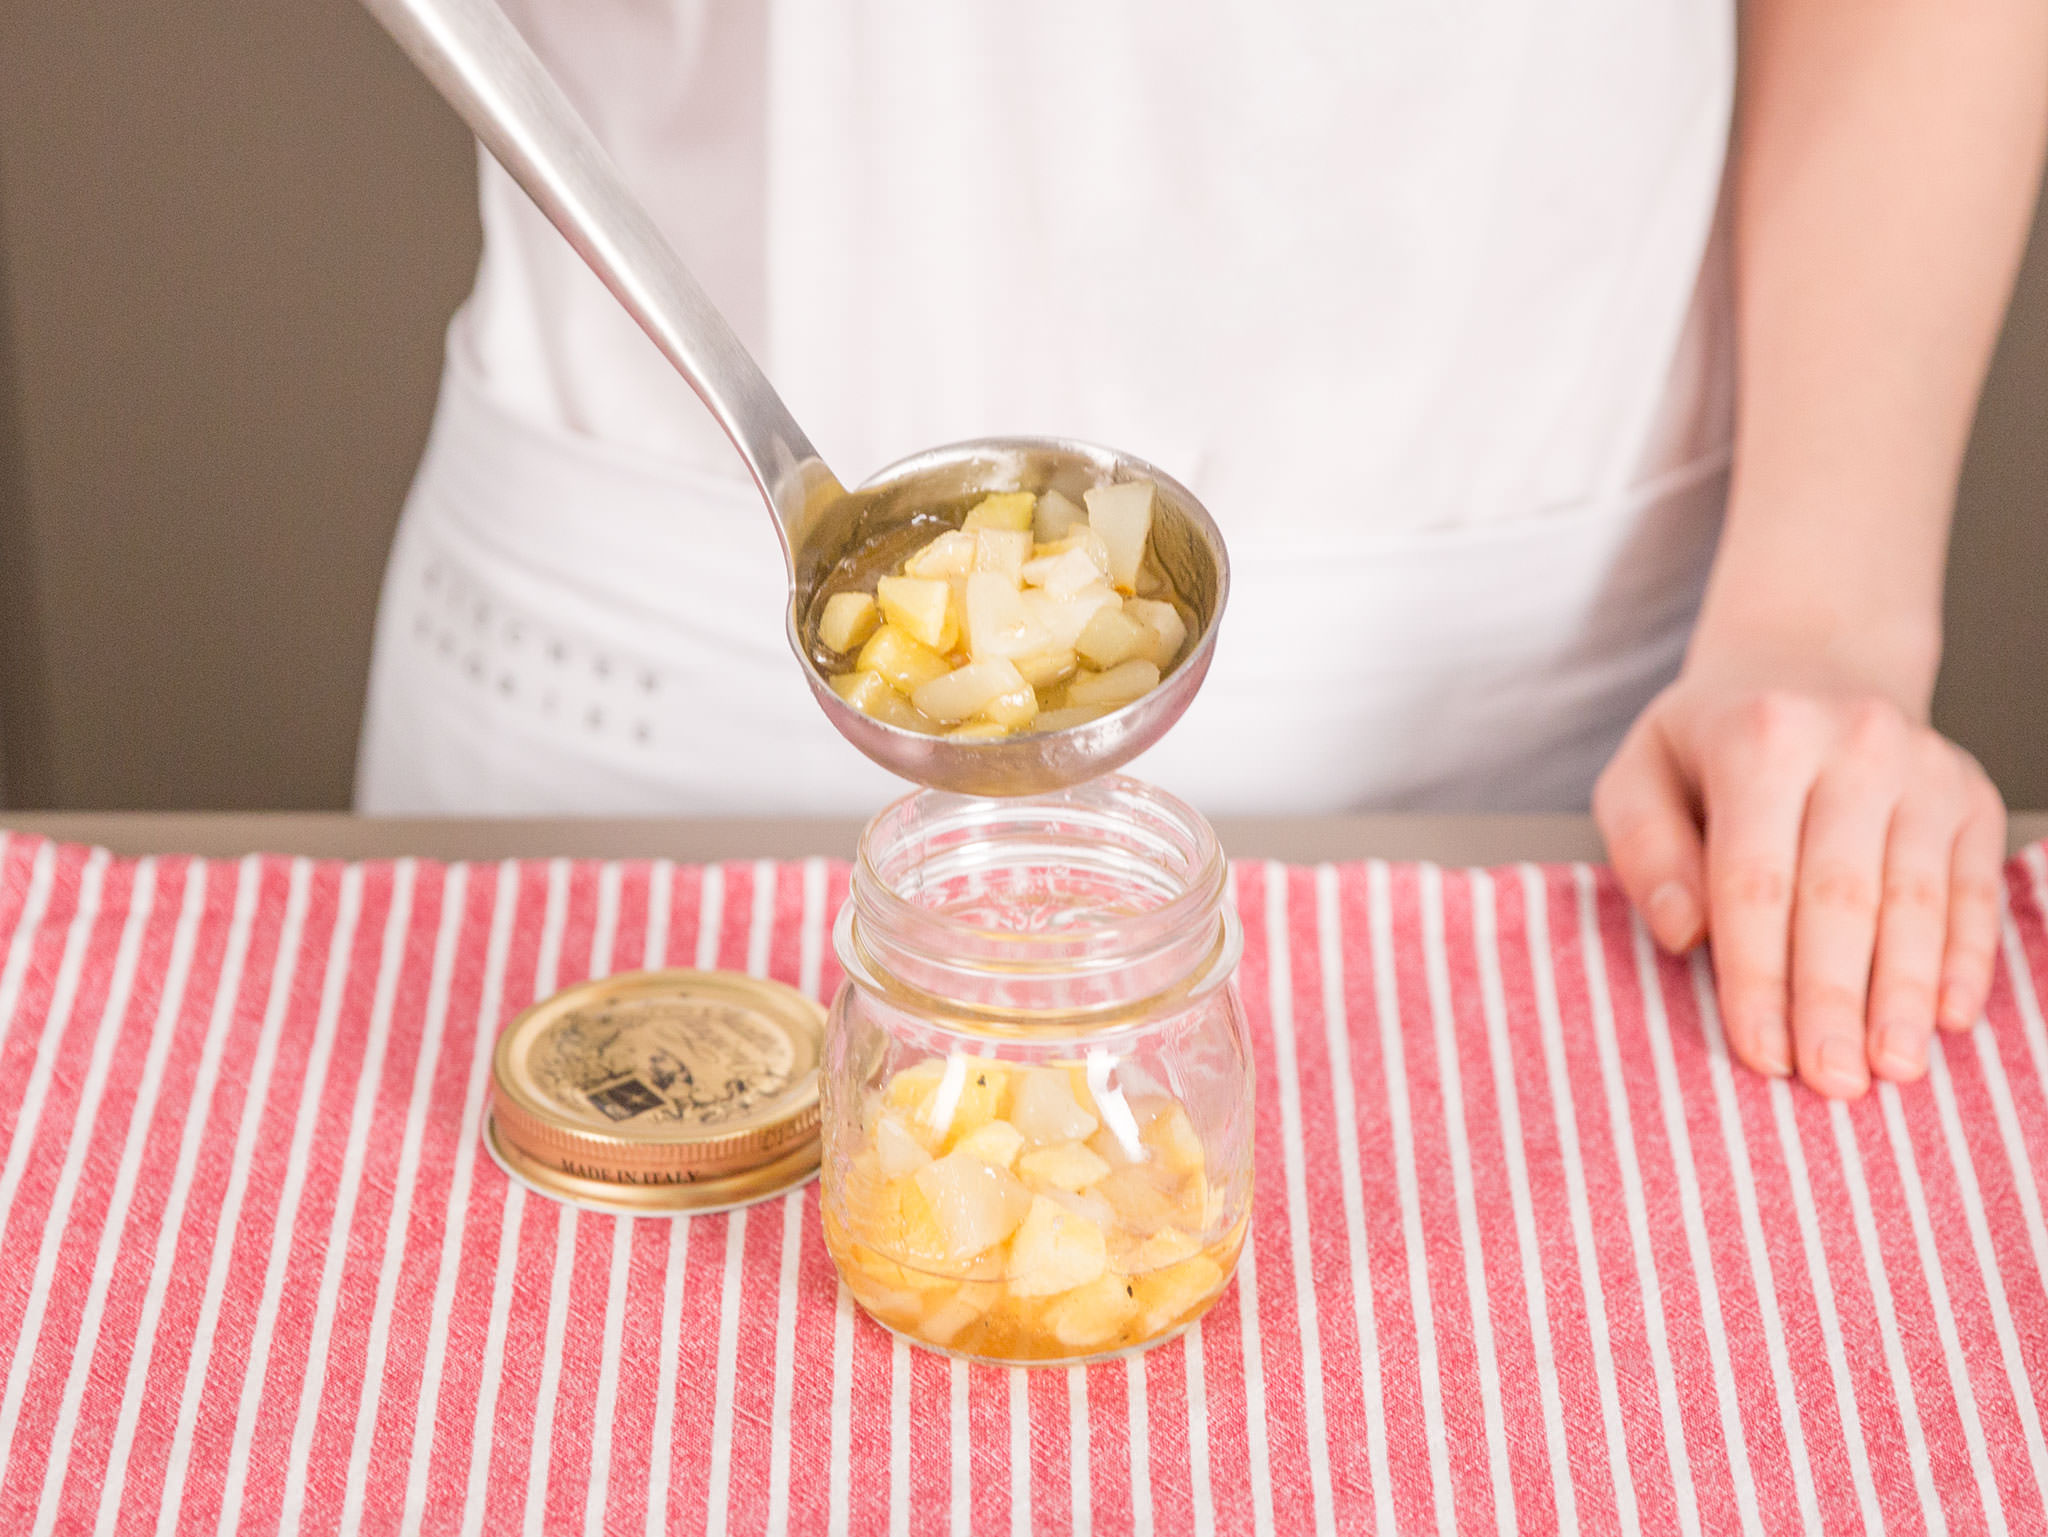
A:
1462, 839
1526, 1249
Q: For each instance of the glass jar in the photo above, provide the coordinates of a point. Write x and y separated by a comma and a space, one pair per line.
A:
1037, 1087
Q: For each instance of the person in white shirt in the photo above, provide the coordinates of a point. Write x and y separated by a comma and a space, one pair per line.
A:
1562, 450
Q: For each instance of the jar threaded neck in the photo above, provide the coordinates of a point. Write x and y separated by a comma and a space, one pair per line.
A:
1085, 902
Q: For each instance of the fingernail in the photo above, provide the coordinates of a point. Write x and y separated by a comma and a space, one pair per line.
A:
1839, 1067
1770, 1050
1955, 1007
1898, 1051
1674, 916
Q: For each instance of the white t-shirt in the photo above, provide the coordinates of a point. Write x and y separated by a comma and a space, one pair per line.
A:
1422, 300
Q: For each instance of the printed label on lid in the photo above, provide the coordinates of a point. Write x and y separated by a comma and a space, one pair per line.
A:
675, 1060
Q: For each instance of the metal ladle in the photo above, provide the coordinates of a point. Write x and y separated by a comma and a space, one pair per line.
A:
479, 62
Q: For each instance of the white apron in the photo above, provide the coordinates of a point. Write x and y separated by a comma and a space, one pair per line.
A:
1424, 303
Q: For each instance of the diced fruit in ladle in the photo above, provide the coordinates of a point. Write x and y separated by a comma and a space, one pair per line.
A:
1169, 632
1111, 636
971, 689
1004, 550
998, 622
902, 662
950, 555
849, 618
870, 693
1122, 515
917, 606
1025, 618
1067, 569
1006, 509
1118, 686
1057, 517
1042, 669
1063, 616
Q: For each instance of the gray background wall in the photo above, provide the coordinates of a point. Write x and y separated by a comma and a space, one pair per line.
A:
229, 238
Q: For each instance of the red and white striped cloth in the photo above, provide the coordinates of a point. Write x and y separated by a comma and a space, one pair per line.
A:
1528, 1253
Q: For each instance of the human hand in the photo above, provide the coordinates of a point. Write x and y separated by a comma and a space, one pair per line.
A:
1843, 857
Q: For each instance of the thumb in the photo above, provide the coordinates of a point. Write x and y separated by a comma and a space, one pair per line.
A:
1645, 813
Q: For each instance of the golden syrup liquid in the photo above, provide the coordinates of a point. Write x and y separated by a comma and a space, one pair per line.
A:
985, 1321
1092, 1252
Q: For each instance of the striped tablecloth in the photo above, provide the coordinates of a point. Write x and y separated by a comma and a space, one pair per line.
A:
1527, 1253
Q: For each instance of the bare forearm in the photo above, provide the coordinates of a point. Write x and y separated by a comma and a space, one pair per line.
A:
1887, 153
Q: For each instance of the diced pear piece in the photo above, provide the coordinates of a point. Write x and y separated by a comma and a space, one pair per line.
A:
1122, 515
1083, 538
1111, 637
1091, 1316
1171, 1136
1166, 1296
1166, 631
947, 1098
959, 1107
997, 1143
1058, 516
848, 619
1146, 1199
999, 622
1066, 571
950, 555
1105, 1145
885, 1275
1061, 1166
870, 693
917, 606
1012, 711
1119, 686
941, 1322
1043, 669
1070, 715
911, 1088
1043, 1107
1085, 1203
897, 1149
1002, 550
898, 1309
903, 661
901, 1221
1054, 1251
1168, 1246
978, 731
977, 1205
1005, 509
968, 690
1063, 616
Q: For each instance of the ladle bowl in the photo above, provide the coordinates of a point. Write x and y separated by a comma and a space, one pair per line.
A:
1185, 545
476, 58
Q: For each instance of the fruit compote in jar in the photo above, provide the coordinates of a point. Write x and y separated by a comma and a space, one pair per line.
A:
1037, 1090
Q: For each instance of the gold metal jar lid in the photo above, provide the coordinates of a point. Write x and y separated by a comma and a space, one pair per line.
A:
660, 1091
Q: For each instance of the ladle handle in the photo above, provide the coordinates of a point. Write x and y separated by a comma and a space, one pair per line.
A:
477, 59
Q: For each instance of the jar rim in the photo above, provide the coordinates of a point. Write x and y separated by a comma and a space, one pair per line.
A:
1116, 827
